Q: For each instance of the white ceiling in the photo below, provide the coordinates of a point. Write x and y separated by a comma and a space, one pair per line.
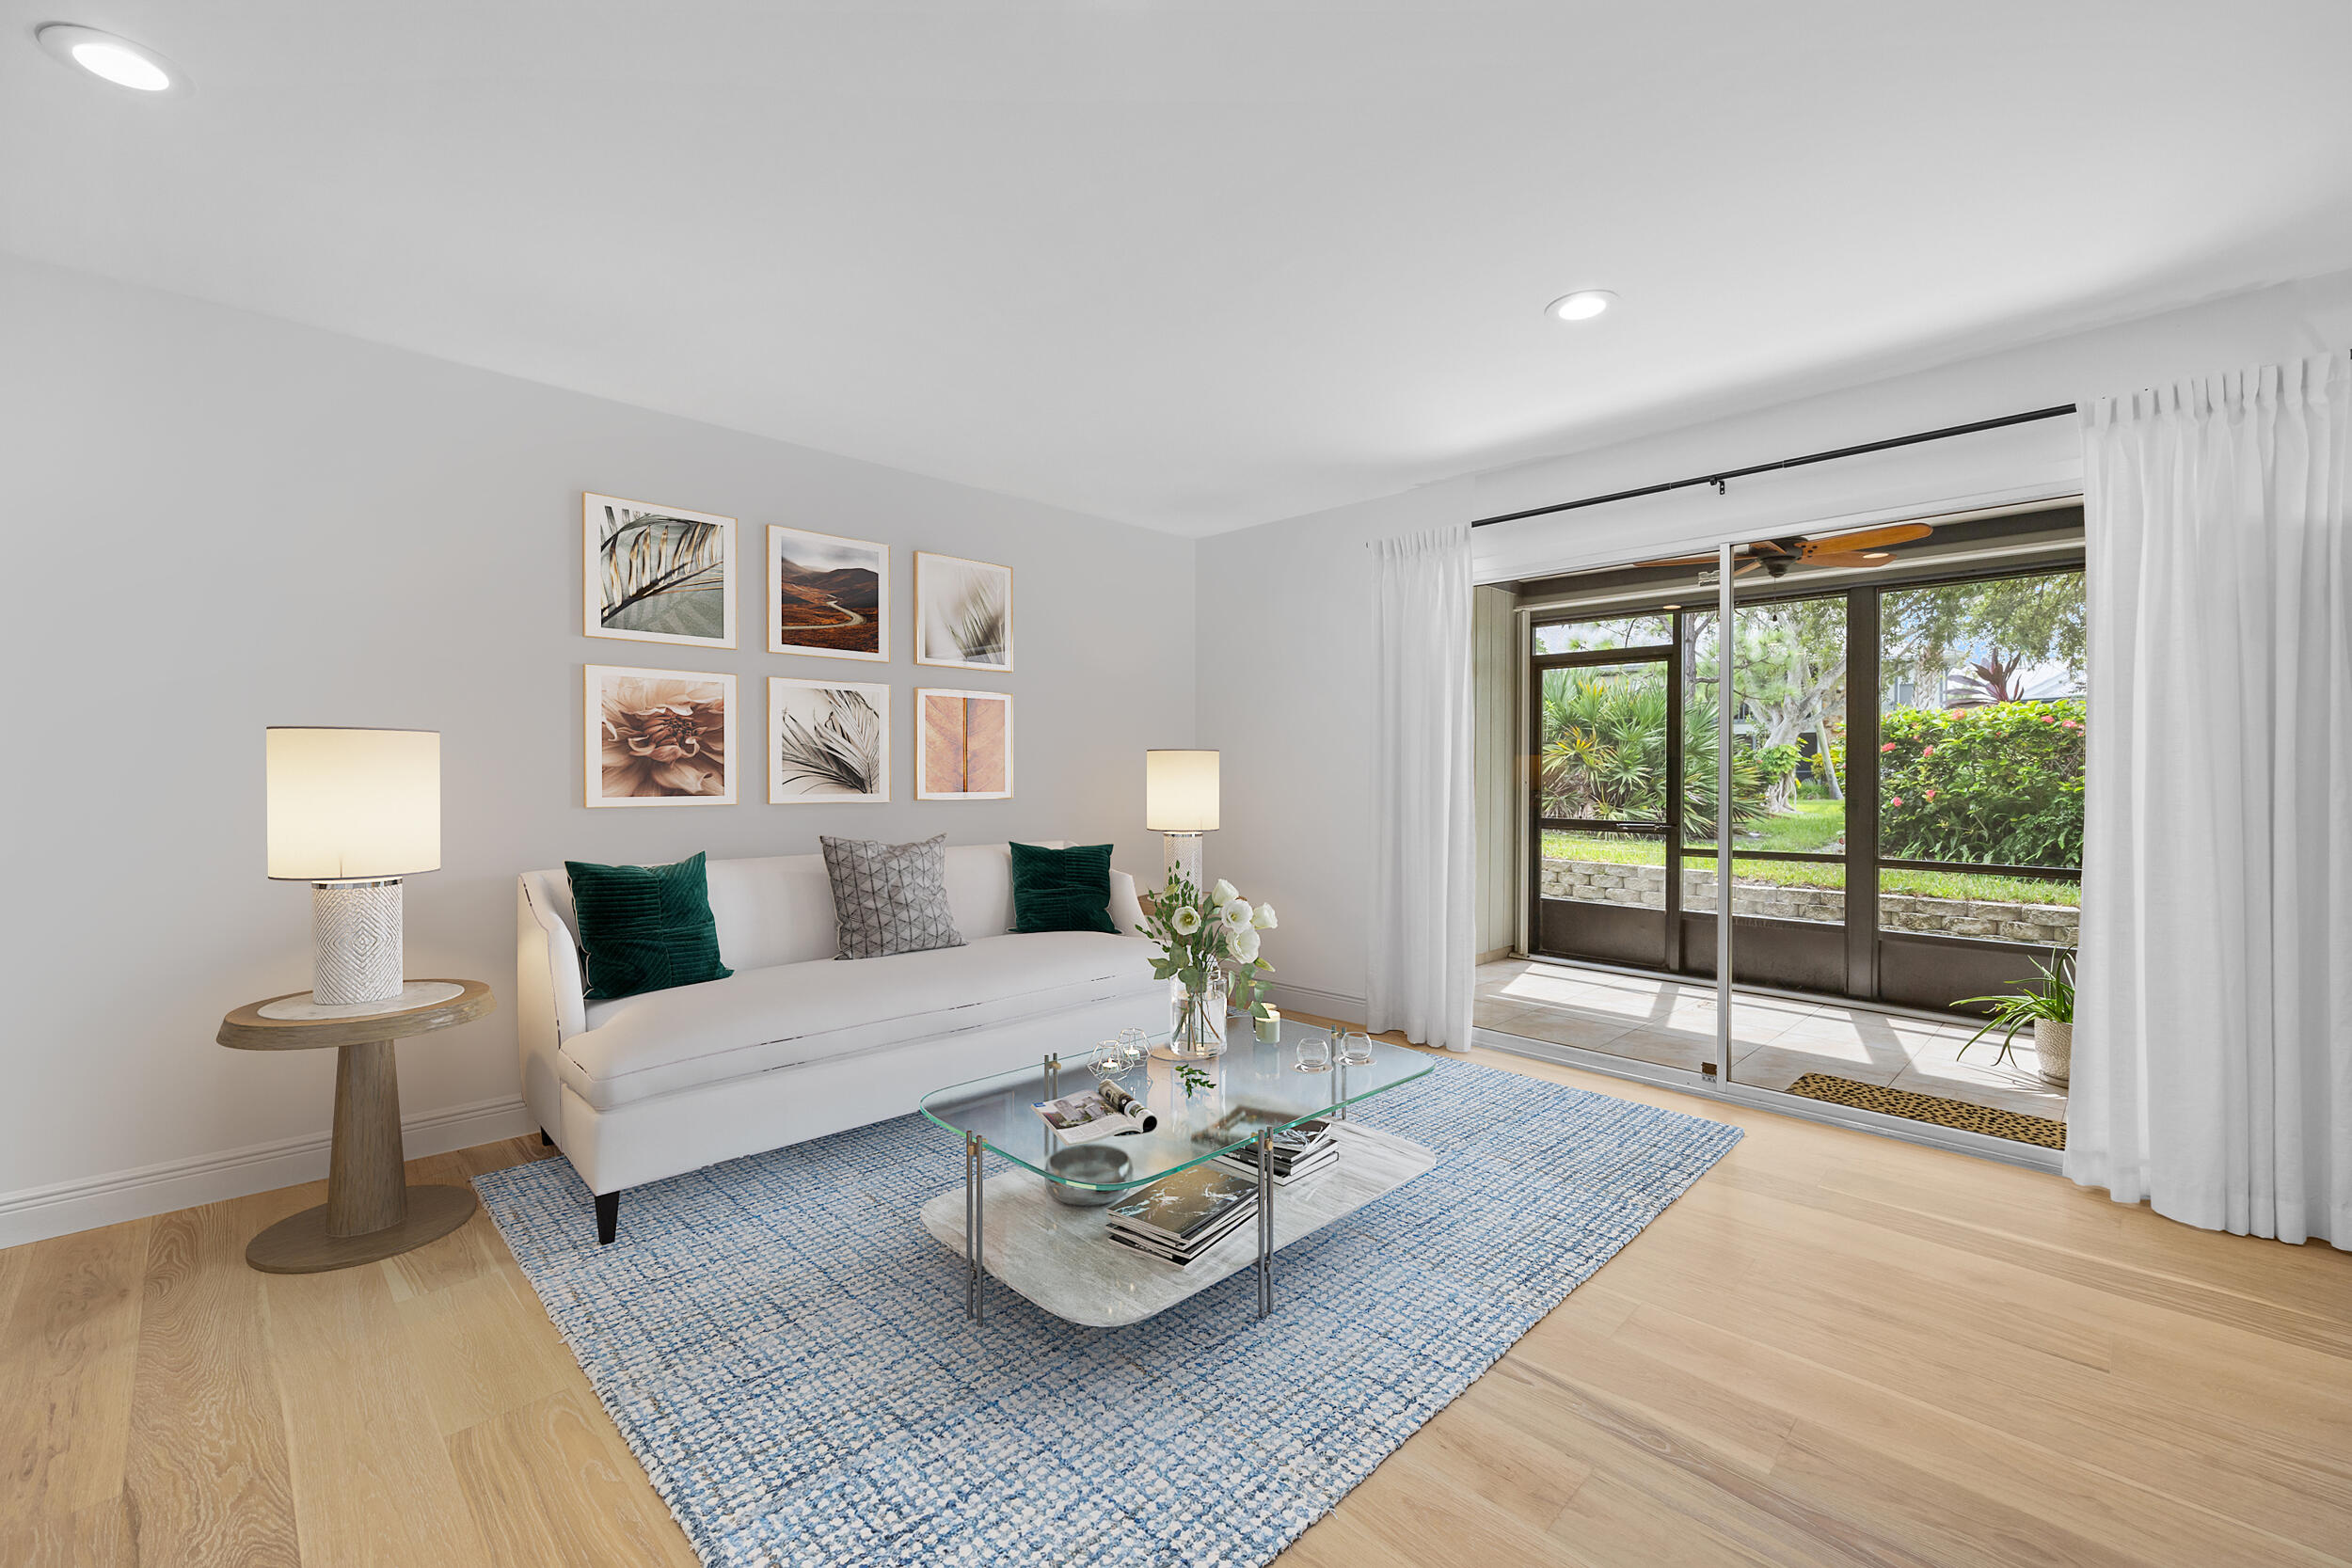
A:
1186, 265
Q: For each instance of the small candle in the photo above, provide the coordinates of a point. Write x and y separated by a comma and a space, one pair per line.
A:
1270, 1026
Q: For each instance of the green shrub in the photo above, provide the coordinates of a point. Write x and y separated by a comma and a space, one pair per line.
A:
2000, 784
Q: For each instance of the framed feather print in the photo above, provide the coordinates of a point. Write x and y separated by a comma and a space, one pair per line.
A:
828, 742
657, 573
962, 612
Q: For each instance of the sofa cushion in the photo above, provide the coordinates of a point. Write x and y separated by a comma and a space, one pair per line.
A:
1062, 890
890, 898
778, 908
762, 1020
644, 927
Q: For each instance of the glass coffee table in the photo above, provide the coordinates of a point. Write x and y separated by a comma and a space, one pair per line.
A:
1058, 1255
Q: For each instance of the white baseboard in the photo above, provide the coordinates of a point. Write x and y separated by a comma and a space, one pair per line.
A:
1322, 1003
36, 1213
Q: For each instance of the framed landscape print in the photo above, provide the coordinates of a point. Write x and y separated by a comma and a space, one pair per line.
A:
827, 596
657, 573
828, 742
962, 612
660, 738
962, 745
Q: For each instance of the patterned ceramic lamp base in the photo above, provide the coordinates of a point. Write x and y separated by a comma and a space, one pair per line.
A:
355, 941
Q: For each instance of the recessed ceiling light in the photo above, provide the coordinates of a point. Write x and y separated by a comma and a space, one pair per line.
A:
119, 60
1581, 306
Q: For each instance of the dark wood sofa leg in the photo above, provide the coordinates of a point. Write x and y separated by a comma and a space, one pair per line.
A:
608, 1217
545, 1142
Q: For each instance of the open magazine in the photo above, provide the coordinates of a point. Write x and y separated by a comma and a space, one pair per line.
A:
1102, 1111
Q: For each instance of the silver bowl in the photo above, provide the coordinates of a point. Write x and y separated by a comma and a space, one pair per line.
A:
1086, 1163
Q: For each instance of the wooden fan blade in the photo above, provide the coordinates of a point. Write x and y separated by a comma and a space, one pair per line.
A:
1867, 539
1747, 566
1679, 560
1847, 558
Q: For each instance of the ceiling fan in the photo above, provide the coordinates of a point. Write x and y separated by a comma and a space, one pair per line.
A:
1864, 547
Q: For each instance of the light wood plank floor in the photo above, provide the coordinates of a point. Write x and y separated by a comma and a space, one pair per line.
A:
1835, 1350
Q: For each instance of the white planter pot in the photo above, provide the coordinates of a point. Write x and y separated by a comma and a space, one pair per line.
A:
2054, 1049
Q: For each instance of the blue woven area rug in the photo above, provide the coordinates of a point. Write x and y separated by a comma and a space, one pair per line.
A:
783, 1346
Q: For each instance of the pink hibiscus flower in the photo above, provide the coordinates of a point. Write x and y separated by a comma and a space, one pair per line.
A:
1896, 802
1930, 795
1888, 747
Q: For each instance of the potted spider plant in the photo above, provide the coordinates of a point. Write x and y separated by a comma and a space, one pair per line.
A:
2048, 1004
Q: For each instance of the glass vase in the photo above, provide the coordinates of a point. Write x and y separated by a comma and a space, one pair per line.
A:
1195, 1017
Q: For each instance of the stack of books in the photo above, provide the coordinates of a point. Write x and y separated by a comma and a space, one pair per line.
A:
1299, 1151
1179, 1217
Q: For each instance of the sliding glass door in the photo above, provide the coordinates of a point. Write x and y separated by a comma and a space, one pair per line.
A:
1906, 741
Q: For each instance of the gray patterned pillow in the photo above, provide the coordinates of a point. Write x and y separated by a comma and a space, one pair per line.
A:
890, 897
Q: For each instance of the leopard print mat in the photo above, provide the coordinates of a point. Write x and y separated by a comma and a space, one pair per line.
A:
2014, 1125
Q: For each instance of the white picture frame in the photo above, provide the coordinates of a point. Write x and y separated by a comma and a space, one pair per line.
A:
948, 762
827, 564
835, 730
646, 573
645, 732
963, 616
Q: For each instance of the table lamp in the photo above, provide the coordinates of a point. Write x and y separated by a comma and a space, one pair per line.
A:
1180, 799
351, 812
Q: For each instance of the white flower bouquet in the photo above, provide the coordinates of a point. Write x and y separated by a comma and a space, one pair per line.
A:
1205, 936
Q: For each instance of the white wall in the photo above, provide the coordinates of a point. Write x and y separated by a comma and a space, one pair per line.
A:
215, 521
1285, 637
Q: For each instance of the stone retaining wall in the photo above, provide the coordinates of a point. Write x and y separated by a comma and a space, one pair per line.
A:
1645, 887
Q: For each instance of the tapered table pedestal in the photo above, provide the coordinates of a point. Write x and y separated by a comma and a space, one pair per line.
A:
371, 1212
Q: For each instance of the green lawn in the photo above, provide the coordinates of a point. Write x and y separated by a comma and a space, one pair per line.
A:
1814, 825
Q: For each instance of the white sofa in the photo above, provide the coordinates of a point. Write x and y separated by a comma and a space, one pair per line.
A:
797, 1044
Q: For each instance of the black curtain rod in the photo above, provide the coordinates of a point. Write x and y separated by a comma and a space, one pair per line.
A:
1718, 480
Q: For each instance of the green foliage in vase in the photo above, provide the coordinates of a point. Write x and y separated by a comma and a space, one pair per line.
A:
1200, 932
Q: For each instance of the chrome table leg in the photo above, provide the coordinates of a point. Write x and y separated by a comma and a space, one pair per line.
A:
1266, 1222
975, 1224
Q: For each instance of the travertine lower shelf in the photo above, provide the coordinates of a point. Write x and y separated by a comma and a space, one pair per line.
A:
1059, 1257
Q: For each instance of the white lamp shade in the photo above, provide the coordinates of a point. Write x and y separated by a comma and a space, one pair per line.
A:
351, 805
1180, 792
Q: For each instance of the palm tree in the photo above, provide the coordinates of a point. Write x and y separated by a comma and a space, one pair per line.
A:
1603, 753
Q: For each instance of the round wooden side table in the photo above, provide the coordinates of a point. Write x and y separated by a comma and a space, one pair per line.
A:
371, 1212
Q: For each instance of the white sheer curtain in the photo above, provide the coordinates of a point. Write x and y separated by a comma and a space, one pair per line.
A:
2212, 1057
1424, 866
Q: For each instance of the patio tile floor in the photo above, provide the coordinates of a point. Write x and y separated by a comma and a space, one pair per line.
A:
1775, 1041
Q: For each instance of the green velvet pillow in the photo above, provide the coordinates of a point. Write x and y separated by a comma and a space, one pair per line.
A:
1062, 890
644, 927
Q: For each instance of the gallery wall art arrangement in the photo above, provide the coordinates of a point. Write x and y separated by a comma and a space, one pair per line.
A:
657, 573
666, 737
